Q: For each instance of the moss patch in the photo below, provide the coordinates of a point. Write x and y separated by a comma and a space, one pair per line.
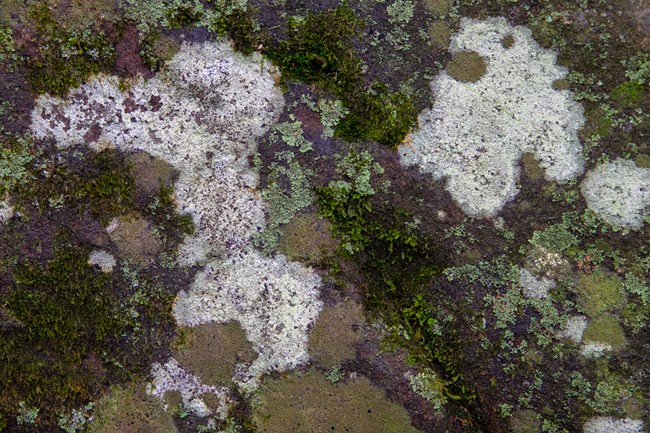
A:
308, 238
335, 334
130, 410
605, 329
309, 403
467, 66
213, 351
135, 239
629, 94
599, 292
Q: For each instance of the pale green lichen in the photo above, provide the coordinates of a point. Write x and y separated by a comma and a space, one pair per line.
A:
456, 139
430, 387
291, 134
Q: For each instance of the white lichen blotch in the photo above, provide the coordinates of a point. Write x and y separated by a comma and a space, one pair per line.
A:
197, 117
275, 302
476, 132
171, 377
603, 424
534, 287
103, 259
619, 192
203, 115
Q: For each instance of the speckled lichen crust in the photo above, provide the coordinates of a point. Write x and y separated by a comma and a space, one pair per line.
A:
196, 117
203, 115
275, 302
171, 377
610, 425
476, 132
619, 192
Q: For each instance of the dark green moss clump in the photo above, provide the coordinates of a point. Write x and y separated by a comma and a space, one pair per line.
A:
319, 50
73, 329
66, 58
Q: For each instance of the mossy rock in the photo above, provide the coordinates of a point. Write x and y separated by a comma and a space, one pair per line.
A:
467, 66
150, 173
605, 329
439, 32
307, 402
79, 14
213, 350
135, 239
629, 94
438, 7
130, 410
308, 238
599, 292
525, 421
598, 123
335, 334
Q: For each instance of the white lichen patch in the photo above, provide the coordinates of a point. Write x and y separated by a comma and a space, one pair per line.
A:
593, 349
574, 328
197, 117
275, 302
6, 211
476, 132
604, 424
171, 377
534, 287
203, 115
103, 259
619, 192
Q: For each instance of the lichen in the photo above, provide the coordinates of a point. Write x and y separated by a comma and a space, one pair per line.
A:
275, 302
618, 192
457, 138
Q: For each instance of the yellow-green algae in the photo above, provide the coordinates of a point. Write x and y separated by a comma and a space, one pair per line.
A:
307, 402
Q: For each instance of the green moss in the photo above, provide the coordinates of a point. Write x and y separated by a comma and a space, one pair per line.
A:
309, 403
606, 329
629, 94
66, 58
212, 352
379, 115
598, 123
97, 182
467, 67
319, 50
599, 292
